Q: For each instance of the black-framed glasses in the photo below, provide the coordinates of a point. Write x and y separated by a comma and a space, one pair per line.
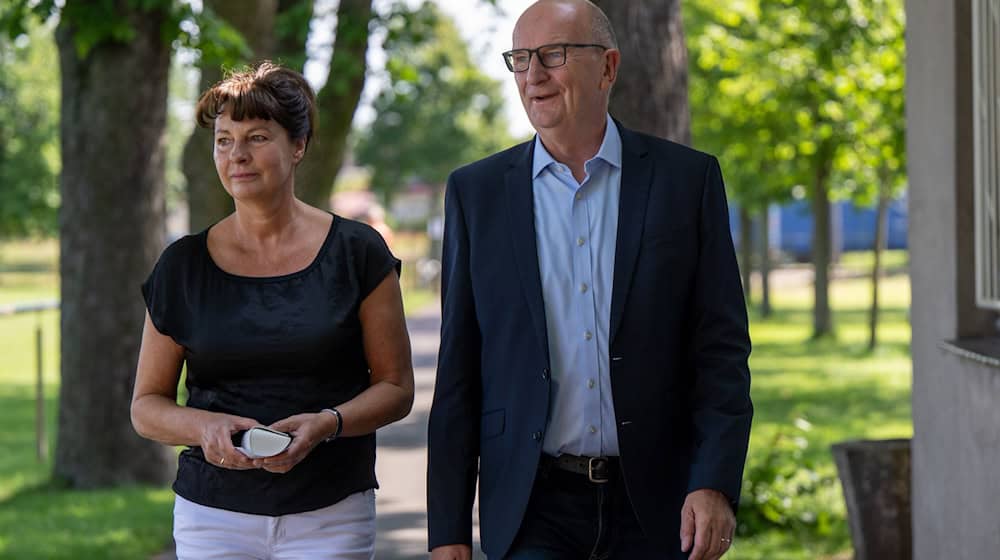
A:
551, 56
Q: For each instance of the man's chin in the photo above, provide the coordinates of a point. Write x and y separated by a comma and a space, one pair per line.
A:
543, 122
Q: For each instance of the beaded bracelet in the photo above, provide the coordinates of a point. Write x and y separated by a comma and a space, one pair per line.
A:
340, 423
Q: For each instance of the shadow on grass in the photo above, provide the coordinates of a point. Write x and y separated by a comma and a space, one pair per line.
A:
27, 266
46, 521
836, 412
18, 463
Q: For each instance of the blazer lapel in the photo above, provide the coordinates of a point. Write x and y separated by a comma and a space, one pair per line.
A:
637, 174
521, 215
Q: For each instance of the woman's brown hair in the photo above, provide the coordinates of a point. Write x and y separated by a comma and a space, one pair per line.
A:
266, 91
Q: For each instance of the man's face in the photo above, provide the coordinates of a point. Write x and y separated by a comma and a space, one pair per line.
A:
570, 96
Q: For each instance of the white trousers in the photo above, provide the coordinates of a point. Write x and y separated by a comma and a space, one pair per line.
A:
343, 531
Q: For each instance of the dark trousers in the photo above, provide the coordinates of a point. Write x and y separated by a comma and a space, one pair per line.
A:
571, 518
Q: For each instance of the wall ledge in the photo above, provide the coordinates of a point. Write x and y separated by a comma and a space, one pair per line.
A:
983, 350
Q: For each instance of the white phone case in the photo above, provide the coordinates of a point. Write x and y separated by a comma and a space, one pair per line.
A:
263, 442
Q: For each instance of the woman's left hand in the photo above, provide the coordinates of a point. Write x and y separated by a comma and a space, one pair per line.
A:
307, 431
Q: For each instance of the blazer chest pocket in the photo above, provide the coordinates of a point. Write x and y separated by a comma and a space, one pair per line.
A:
491, 424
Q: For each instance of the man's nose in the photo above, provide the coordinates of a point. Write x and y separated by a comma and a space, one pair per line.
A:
536, 72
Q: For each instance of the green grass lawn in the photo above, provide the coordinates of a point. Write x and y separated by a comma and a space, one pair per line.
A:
807, 394
810, 394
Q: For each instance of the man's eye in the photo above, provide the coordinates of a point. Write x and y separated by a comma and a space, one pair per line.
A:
521, 58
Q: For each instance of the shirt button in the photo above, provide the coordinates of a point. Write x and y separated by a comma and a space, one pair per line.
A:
583, 288
579, 196
580, 241
593, 430
588, 335
590, 384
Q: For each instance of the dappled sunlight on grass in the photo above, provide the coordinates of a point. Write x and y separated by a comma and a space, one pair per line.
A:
842, 389
124, 523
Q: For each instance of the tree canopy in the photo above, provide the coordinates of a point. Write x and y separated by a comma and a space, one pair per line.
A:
805, 95
29, 135
436, 111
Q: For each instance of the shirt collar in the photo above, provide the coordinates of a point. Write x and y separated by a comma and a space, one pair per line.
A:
610, 151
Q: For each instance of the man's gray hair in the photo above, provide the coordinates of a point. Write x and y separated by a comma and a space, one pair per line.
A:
604, 33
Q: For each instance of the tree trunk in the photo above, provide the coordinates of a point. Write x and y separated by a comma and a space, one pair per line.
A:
820, 198
746, 251
208, 202
336, 104
291, 32
880, 242
765, 265
111, 231
651, 92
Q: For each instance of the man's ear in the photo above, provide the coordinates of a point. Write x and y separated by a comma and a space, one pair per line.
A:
612, 58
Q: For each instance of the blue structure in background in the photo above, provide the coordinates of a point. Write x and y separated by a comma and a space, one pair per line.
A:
853, 228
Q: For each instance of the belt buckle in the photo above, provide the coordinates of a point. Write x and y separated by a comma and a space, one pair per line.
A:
601, 464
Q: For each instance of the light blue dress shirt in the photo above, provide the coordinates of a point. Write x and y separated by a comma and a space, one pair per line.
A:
576, 225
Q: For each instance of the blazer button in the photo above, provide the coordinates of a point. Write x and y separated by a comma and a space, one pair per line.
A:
545, 374
537, 436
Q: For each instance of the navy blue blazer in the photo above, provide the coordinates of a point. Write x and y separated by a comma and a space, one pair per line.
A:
678, 345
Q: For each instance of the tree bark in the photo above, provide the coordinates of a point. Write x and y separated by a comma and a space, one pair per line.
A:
820, 199
880, 242
765, 265
294, 16
208, 201
746, 251
336, 103
111, 231
651, 92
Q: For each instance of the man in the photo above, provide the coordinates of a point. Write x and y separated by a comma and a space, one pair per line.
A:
593, 365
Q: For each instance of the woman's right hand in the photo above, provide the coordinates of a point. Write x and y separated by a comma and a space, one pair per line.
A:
217, 441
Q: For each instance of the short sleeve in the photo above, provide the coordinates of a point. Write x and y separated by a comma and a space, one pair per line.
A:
378, 261
162, 288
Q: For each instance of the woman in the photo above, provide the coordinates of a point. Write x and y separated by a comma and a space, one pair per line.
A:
286, 316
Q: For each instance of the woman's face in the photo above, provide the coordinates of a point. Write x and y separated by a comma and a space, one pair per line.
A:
255, 157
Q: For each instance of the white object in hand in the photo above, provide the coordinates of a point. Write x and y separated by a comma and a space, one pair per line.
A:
263, 442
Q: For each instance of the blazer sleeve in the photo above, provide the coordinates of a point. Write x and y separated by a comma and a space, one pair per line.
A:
721, 407
453, 430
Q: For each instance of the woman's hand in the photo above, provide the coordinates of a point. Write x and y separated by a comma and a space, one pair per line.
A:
307, 431
217, 441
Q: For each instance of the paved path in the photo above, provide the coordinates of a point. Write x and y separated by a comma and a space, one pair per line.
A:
401, 465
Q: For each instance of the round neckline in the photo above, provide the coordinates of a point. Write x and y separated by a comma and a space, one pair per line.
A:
319, 255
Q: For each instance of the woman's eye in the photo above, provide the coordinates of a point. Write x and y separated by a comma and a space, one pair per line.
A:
223, 141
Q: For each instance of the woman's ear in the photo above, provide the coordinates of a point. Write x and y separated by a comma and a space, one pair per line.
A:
300, 149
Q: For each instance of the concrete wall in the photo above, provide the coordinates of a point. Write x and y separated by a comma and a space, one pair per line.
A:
956, 401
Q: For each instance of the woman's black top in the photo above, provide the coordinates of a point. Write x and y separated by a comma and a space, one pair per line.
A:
268, 348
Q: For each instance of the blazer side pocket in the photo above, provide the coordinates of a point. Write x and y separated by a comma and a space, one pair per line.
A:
491, 424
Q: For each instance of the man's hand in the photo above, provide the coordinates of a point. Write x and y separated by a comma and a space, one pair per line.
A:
707, 522
452, 552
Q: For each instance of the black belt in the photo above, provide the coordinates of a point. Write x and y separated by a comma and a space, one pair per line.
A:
598, 470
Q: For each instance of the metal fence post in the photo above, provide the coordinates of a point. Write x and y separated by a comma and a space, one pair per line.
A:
42, 447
